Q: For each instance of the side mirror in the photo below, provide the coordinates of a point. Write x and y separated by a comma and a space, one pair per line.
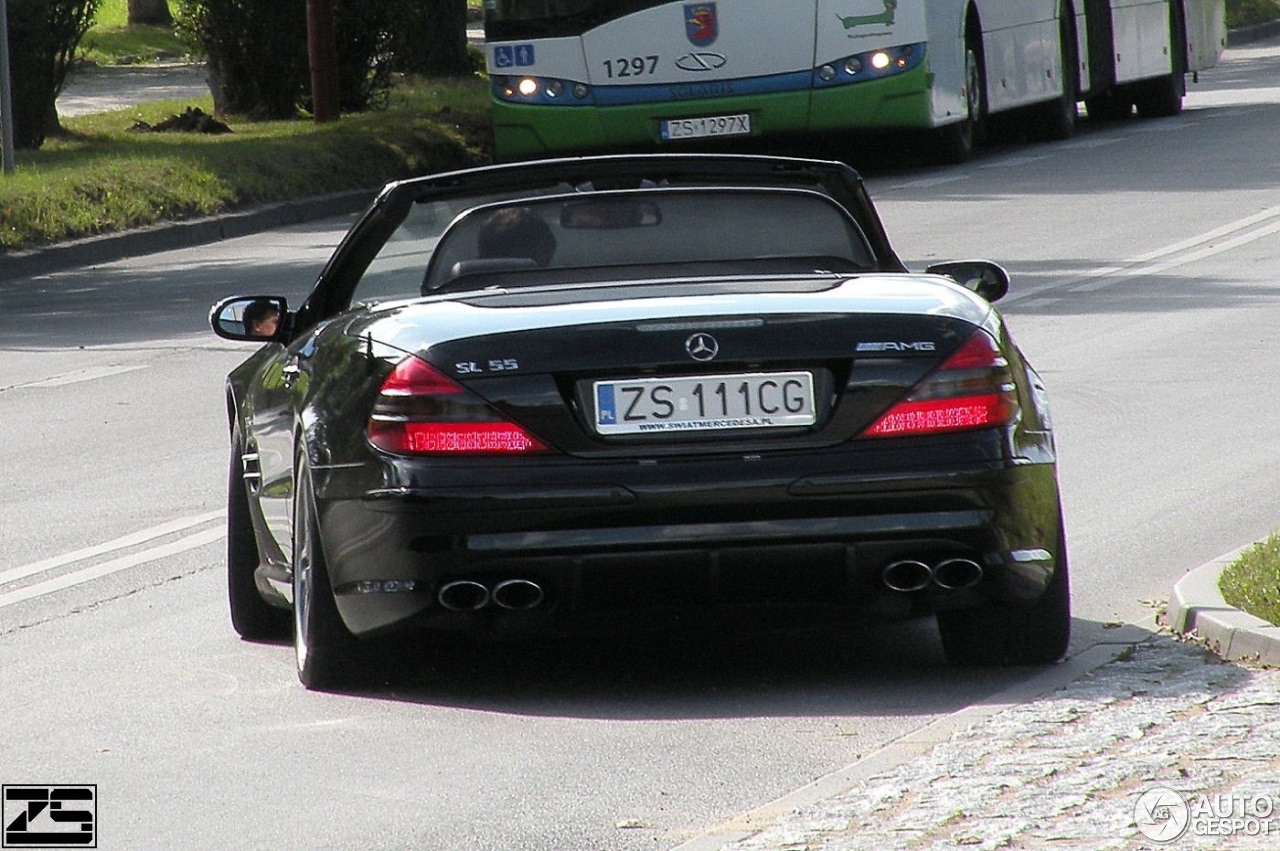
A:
985, 278
259, 319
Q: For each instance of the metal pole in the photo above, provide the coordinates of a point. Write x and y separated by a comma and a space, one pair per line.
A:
6, 96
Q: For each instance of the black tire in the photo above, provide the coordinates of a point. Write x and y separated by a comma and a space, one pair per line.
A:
252, 617
954, 143
1056, 120
1115, 105
326, 651
1003, 634
1162, 97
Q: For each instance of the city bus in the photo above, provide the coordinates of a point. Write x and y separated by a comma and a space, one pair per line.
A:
602, 75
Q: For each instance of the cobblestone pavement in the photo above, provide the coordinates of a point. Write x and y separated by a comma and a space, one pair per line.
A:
1168, 747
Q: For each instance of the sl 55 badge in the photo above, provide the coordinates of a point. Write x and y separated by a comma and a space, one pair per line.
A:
468, 367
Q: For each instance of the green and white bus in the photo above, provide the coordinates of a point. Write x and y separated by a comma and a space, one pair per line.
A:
599, 75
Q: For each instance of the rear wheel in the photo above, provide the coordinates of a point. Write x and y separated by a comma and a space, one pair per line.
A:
1056, 120
1162, 97
1002, 634
955, 142
1114, 105
326, 651
252, 617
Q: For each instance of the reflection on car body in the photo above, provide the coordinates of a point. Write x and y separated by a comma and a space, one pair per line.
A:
719, 390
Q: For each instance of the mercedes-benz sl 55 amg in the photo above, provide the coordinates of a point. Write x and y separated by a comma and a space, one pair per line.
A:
534, 396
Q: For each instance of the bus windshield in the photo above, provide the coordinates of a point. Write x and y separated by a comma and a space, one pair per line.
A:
510, 20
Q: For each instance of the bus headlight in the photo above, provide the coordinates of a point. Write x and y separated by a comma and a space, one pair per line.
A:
540, 90
872, 65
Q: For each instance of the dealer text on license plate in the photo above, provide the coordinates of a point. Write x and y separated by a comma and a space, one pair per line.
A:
708, 125
704, 403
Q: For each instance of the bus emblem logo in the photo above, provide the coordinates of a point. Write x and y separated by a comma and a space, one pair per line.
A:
700, 23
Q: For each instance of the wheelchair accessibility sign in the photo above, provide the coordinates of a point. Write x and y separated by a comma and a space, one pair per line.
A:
512, 55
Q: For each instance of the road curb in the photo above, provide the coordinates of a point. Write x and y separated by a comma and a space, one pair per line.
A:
168, 236
1198, 610
1248, 35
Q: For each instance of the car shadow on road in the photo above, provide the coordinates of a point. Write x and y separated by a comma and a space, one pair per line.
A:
874, 670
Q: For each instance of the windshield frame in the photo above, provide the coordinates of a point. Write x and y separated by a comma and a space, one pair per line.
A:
698, 237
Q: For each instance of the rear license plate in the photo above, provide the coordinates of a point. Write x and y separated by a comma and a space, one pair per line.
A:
707, 125
704, 403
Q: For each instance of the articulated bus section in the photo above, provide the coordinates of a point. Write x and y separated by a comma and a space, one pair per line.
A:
609, 75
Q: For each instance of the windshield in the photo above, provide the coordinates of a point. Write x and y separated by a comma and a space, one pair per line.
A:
508, 20
647, 233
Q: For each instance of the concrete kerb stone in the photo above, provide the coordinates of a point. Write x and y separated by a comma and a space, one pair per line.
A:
1198, 610
168, 236
1257, 32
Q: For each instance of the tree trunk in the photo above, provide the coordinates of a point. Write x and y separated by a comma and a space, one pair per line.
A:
150, 12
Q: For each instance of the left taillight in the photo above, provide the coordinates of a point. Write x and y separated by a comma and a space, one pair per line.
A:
971, 389
421, 411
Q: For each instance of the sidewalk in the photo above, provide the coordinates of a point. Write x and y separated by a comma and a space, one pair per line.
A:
1164, 748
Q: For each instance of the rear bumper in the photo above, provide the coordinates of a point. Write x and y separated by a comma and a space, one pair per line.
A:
601, 549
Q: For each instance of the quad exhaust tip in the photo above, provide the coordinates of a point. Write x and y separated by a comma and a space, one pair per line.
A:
468, 595
911, 575
463, 596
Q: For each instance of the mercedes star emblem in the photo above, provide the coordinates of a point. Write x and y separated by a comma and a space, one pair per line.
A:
702, 347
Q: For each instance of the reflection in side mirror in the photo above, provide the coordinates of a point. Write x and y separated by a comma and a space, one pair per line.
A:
985, 278
259, 318
610, 214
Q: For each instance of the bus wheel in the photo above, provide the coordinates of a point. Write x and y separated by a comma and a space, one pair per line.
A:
1162, 97
954, 143
1056, 120
1114, 105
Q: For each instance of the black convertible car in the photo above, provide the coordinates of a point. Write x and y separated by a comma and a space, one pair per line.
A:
532, 396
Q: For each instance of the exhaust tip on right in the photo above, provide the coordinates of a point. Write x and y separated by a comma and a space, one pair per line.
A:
955, 574
464, 595
518, 594
907, 575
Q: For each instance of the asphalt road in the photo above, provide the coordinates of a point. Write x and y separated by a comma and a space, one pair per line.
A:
1143, 256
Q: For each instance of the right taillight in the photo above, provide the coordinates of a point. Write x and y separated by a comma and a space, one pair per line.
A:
421, 411
971, 389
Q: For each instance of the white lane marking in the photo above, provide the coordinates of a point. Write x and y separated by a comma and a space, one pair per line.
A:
80, 375
1169, 257
1190, 257
109, 567
1014, 161
125, 542
1099, 142
926, 182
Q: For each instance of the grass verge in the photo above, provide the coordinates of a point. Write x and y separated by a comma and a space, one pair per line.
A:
1252, 581
102, 176
112, 41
